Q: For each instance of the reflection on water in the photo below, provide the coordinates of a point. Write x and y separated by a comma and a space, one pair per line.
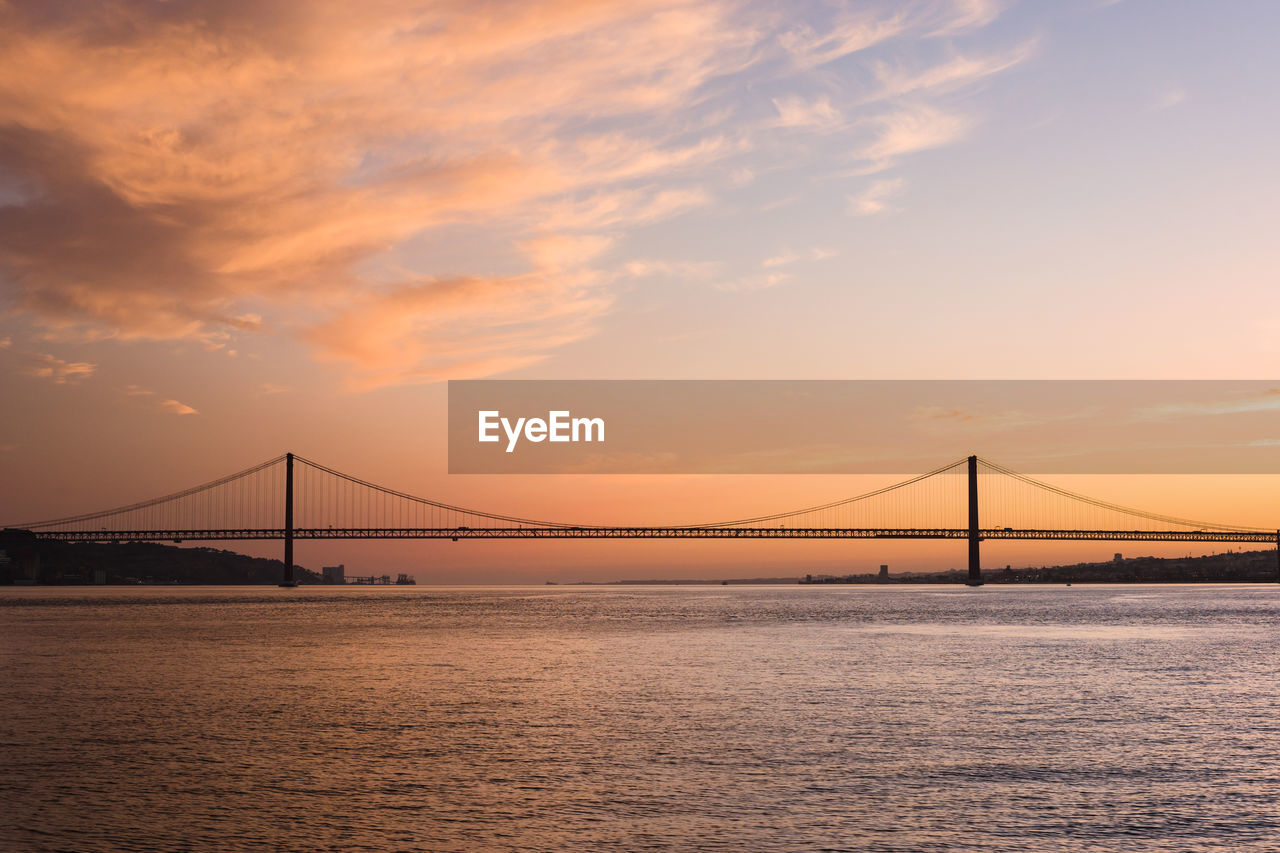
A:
769, 718
1043, 632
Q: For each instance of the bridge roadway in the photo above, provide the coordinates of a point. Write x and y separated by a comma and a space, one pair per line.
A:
456, 533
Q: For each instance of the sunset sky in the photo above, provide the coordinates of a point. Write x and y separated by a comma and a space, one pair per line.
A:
231, 229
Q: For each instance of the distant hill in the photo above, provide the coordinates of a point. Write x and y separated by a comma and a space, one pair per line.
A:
1232, 567
52, 562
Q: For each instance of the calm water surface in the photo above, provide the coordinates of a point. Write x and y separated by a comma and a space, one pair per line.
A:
676, 718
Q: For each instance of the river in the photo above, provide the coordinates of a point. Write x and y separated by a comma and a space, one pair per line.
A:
640, 718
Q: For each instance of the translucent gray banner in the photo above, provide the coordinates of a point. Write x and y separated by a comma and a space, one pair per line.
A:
862, 426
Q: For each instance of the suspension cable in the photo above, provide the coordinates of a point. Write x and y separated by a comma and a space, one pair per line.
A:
1101, 504
221, 481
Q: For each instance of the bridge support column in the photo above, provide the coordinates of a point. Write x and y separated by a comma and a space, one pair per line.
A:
288, 522
1278, 556
975, 560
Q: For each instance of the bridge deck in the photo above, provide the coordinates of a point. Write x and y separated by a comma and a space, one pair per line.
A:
456, 533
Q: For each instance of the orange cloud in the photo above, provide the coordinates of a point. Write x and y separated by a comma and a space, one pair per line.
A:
177, 408
209, 170
457, 328
57, 370
173, 406
174, 163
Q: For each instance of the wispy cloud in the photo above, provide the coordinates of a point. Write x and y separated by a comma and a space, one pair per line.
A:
787, 257
950, 418
57, 370
697, 270
558, 252
908, 130
1266, 401
874, 199
897, 80
168, 405
959, 16
177, 408
623, 207
795, 111
755, 282
854, 30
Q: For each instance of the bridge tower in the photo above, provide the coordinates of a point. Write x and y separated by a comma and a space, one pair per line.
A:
288, 522
975, 561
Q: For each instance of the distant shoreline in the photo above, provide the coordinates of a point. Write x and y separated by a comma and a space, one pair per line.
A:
34, 561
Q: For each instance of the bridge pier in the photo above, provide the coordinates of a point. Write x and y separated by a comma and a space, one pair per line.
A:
975, 560
288, 522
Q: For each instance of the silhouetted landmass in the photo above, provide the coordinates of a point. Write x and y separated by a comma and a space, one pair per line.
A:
49, 561
1231, 567
696, 582
52, 562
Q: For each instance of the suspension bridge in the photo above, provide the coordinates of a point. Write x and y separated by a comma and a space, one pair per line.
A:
290, 497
